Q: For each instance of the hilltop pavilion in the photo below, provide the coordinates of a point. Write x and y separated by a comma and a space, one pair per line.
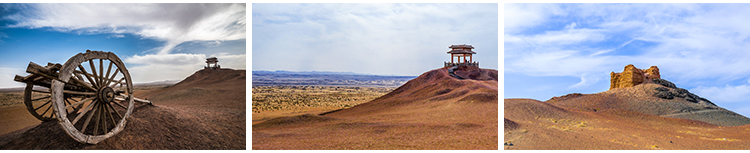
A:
459, 51
214, 61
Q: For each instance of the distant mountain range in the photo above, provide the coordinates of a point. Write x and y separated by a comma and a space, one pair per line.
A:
291, 78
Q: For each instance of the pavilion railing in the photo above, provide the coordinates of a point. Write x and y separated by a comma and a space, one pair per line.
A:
474, 64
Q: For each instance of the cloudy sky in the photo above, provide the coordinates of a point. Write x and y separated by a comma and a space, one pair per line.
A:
556, 49
382, 39
156, 41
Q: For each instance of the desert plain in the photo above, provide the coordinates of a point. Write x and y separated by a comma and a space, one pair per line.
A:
206, 110
437, 110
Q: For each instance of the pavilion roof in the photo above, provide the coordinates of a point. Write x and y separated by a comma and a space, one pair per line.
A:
461, 49
464, 46
212, 59
455, 51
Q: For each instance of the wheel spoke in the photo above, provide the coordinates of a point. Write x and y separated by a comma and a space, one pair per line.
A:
87, 76
104, 119
71, 99
97, 78
88, 119
78, 75
43, 104
114, 110
118, 82
80, 102
40, 91
106, 82
101, 72
79, 93
67, 100
118, 104
82, 113
83, 84
107, 106
45, 111
93, 72
98, 117
41, 98
111, 78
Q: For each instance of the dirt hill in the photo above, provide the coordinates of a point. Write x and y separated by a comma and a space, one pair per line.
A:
653, 115
436, 110
204, 111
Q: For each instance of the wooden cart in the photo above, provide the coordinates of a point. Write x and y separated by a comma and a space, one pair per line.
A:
88, 103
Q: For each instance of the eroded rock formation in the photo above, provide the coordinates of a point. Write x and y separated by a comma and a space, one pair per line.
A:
632, 76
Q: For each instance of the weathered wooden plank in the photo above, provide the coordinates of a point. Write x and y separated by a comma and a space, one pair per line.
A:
53, 66
79, 93
34, 68
19, 78
29, 78
134, 99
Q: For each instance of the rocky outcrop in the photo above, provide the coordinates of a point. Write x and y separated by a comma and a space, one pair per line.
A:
632, 76
670, 91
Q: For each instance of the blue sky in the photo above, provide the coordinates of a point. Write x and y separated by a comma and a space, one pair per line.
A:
381, 39
156, 41
556, 49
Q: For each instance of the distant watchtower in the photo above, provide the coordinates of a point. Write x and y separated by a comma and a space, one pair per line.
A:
212, 60
458, 51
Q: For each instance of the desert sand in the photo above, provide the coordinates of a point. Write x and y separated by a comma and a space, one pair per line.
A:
432, 111
623, 118
204, 111
280, 101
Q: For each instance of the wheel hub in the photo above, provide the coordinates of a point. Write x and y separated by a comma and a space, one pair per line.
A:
106, 95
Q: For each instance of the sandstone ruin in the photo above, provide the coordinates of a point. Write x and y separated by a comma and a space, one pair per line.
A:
632, 76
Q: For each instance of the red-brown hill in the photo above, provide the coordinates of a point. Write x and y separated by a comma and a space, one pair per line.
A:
654, 115
204, 111
437, 110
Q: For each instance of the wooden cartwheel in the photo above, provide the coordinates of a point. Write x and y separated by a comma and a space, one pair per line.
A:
88, 103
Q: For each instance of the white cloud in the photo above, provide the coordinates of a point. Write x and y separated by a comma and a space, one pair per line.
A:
587, 80
231, 61
168, 59
152, 67
565, 37
172, 23
690, 42
402, 39
10, 73
521, 16
161, 72
156, 67
726, 94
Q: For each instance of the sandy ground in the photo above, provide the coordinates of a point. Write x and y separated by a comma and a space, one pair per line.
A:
204, 111
14, 118
628, 118
267, 115
281, 101
433, 111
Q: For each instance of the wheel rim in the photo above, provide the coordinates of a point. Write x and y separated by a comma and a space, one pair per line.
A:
106, 97
39, 102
